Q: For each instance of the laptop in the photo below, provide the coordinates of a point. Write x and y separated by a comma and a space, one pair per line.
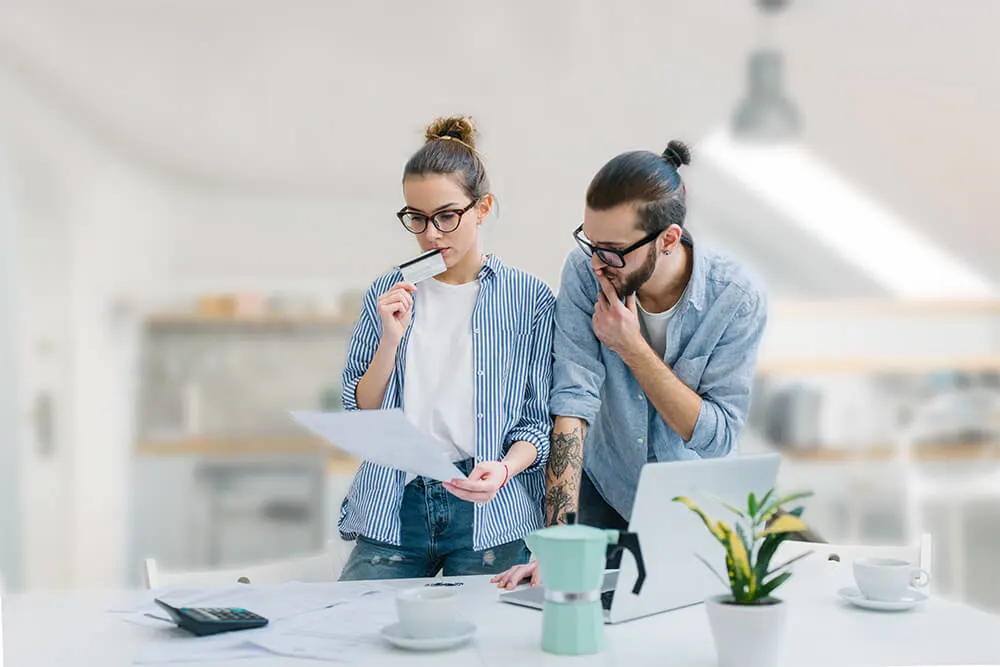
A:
672, 537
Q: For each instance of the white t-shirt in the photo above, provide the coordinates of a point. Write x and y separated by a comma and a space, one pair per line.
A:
654, 327
439, 380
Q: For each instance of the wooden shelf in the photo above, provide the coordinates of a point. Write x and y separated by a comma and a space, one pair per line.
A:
257, 320
235, 445
337, 461
884, 452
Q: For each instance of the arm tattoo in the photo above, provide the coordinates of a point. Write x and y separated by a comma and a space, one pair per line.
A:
558, 501
564, 470
566, 453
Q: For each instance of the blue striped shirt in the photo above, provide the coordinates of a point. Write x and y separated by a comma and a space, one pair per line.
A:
512, 353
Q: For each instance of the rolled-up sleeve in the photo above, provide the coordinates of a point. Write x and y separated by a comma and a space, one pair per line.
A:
361, 349
535, 424
727, 381
578, 367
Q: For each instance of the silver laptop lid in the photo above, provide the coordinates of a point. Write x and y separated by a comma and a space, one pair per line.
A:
671, 536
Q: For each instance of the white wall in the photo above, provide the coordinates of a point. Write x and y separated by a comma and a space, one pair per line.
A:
10, 482
92, 228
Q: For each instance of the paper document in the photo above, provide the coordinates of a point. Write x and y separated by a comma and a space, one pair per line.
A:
344, 630
273, 602
385, 437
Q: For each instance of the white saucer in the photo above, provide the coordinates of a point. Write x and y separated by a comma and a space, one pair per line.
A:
854, 596
395, 635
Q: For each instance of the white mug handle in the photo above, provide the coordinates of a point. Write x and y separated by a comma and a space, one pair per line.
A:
920, 578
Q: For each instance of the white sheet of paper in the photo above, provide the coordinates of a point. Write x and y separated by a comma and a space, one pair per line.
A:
385, 437
346, 631
180, 646
315, 620
359, 618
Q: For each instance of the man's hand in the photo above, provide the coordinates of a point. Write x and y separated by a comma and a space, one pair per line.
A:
483, 483
513, 577
616, 324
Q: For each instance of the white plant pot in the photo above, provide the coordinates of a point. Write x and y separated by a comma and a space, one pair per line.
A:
746, 635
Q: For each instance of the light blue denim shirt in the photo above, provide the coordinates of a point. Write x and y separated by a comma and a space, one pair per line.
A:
712, 343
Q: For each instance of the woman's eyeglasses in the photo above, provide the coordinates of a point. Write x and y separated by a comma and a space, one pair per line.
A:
445, 221
613, 258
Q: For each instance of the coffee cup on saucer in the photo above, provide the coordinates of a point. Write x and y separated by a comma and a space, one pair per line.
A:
888, 579
426, 612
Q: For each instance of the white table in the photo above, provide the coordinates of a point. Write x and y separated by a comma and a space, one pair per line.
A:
74, 630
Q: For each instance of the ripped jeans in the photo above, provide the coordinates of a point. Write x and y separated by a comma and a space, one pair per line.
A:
436, 535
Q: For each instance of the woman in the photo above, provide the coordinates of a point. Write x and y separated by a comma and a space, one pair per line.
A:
467, 356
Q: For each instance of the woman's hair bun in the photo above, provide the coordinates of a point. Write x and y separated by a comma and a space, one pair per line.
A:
456, 127
677, 153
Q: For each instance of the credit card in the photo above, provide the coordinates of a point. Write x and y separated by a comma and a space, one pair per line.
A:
422, 267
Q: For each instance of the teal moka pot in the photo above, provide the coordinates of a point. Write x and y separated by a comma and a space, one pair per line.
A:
572, 560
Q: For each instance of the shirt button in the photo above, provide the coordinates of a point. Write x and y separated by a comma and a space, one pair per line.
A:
480, 415
642, 397
476, 330
641, 440
482, 373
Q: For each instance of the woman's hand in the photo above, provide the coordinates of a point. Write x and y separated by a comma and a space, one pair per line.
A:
483, 483
395, 307
513, 577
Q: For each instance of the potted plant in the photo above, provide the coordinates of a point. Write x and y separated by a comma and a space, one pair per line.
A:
748, 621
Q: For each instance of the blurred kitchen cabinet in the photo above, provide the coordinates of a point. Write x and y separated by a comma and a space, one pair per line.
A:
194, 511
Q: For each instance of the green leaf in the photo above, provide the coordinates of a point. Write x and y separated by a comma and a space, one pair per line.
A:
763, 501
746, 543
766, 513
769, 546
738, 562
737, 582
752, 504
731, 508
713, 570
785, 523
788, 562
712, 526
734, 510
772, 584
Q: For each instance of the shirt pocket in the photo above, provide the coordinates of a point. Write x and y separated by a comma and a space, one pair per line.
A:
515, 369
690, 370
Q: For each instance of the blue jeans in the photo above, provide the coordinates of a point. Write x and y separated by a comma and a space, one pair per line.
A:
436, 535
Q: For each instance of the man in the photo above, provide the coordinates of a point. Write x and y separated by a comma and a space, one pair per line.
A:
655, 345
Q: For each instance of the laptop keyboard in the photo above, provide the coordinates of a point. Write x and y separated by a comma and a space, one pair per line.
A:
606, 598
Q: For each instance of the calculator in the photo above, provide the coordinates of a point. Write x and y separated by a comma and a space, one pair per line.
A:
213, 620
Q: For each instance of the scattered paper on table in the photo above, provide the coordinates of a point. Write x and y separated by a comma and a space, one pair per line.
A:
180, 646
320, 621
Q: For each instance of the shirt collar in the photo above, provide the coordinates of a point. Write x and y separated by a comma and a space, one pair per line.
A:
699, 275
491, 267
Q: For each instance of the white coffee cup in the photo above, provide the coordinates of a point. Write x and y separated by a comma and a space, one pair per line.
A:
887, 579
428, 612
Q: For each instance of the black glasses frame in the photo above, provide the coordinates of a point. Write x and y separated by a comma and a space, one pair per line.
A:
433, 218
611, 257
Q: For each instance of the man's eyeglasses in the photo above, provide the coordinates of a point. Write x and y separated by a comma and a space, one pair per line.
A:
445, 221
611, 257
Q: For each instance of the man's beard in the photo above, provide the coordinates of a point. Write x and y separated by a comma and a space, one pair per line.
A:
633, 281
